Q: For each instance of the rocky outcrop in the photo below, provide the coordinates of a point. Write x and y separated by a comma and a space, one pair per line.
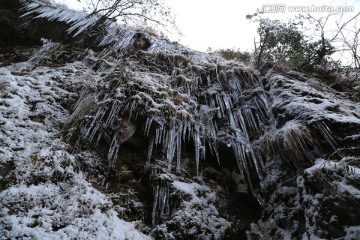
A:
17, 31
310, 187
149, 139
11, 34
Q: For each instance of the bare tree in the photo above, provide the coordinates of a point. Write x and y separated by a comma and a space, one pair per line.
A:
344, 35
132, 12
324, 44
350, 38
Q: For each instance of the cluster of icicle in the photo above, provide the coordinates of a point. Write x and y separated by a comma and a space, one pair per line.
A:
203, 111
163, 203
78, 21
201, 102
114, 38
111, 37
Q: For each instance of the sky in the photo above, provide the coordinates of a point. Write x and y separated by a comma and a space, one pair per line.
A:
222, 24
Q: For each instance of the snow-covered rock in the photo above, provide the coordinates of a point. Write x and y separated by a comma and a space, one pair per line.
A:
141, 138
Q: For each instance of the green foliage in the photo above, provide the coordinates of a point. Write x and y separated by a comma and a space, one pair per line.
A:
278, 42
233, 54
318, 52
281, 42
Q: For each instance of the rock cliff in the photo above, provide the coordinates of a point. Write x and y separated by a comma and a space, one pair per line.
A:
113, 133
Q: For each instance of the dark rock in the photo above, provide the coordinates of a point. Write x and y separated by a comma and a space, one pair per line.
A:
18, 31
12, 33
43, 28
5, 173
138, 42
279, 157
265, 68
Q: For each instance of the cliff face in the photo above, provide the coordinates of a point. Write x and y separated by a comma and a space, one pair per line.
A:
144, 138
311, 183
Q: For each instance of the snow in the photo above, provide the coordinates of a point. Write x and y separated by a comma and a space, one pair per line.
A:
199, 210
307, 114
49, 199
351, 171
345, 187
352, 233
183, 97
307, 99
191, 189
76, 209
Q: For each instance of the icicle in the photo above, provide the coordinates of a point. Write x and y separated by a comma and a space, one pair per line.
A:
231, 119
203, 149
208, 81
148, 125
79, 21
113, 113
227, 101
150, 148
94, 126
178, 151
240, 151
161, 132
133, 107
83, 94
259, 162
325, 131
241, 123
157, 136
262, 104
219, 103
255, 161
215, 148
185, 127
190, 128
197, 142
114, 149
161, 206
216, 71
211, 130
98, 138
236, 85
94, 131
250, 120
171, 146
155, 203
163, 197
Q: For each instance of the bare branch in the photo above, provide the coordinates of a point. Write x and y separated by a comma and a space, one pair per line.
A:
343, 26
133, 11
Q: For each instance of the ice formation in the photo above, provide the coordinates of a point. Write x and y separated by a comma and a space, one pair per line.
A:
283, 132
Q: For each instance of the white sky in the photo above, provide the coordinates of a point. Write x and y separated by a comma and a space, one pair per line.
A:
222, 23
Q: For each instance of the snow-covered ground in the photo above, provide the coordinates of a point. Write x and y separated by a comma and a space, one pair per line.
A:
293, 135
48, 197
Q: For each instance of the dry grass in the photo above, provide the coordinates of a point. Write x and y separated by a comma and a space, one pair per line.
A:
81, 111
151, 31
294, 142
3, 85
